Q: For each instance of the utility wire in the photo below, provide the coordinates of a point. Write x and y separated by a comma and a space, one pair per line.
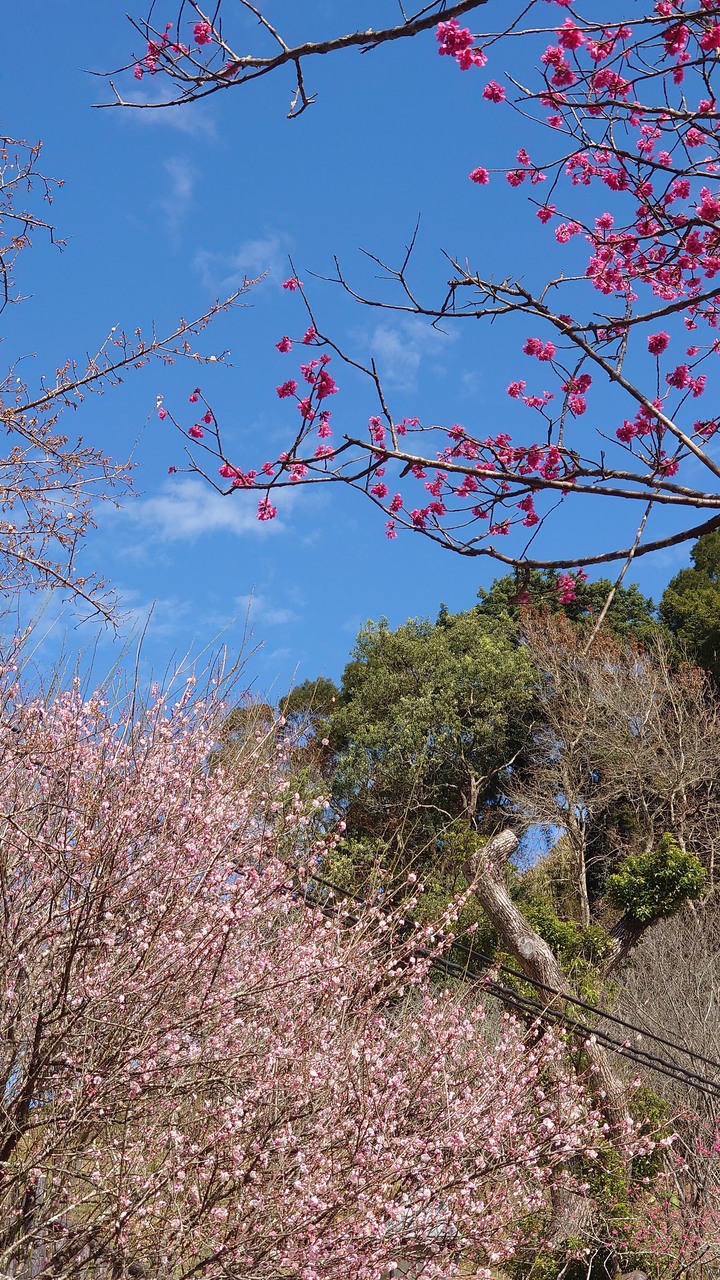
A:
548, 1013
487, 961
527, 1005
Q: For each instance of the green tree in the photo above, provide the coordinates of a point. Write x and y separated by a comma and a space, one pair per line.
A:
429, 719
311, 701
630, 615
690, 605
653, 885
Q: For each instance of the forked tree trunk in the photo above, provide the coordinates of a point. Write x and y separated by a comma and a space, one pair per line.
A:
537, 961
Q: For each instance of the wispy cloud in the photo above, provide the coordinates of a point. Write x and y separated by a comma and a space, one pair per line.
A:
163, 617
259, 610
221, 272
178, 194
473, 383
187, 508
403, 348
146, 110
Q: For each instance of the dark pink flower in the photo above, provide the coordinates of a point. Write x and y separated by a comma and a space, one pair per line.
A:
325, 385
657, 343
516, 389
287, 388
494, 92
680, 377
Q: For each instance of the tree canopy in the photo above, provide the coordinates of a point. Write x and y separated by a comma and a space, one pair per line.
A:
429, 720
630, 614
690, 605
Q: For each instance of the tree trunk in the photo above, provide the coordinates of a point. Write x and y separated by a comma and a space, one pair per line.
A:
537, 961
625, 935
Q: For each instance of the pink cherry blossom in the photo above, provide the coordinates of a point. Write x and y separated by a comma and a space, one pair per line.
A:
202, 33
266, 511
287, 388
494, 92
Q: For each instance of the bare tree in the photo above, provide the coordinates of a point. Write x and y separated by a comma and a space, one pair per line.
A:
50, 481
671, 986
627, 748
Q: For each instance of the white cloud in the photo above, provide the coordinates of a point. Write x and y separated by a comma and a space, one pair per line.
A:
197, 633
258, 609
265, 255
473, 383
177, 197
193, 119
187, 507
402, 348
164, 617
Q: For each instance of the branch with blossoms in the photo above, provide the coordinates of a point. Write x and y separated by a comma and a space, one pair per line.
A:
199, 55
623, 333
19, 174
476, 490
49, 482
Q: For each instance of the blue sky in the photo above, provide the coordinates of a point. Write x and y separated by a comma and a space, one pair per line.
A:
163, 212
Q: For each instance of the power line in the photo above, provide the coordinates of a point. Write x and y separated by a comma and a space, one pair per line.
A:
549, 1013
591, 1008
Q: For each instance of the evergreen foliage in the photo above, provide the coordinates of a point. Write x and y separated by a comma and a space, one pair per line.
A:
690, 605
630, 615
429, 719
654, 884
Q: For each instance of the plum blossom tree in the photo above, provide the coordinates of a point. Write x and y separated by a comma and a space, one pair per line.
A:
616, 359
50, 482
204, 1075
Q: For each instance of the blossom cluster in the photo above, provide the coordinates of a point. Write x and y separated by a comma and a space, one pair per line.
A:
165, 54
157, 50
458, 42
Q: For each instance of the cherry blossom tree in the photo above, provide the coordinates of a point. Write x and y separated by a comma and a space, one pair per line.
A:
204, 1073
616, 362
50, 482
